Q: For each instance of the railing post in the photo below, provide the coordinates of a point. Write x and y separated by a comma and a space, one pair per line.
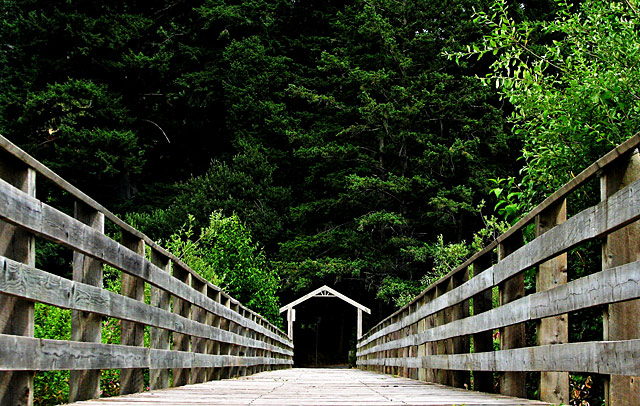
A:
244, 350
17, 316
482, 342
413, 350
218, 347
403, 352
420, 327
198, 344
84, 385
132, 380
621, 247
422, 348
181, 341
459, 345
396, 351
431, 347
158, 337
211, 346
443, 376
290, 319
554, 386
235, 348
251, 352
225, 348
512, 383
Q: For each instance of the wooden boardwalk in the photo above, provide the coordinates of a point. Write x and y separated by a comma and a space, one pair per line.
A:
313, 387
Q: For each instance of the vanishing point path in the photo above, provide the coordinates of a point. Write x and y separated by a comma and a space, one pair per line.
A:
313, 387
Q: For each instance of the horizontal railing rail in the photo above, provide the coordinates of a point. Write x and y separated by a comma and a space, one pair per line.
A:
474, 318
196, 332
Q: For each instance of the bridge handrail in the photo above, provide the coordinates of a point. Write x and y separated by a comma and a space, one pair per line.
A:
213, 335
429, 338
64, 185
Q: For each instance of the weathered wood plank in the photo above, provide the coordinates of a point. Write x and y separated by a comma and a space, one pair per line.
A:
17, 316
478, 284
132, 333
609, 286
86, 326
27, 212
159, 338
19, 353
621, 320
600, 357
29, 283
315, 387
483, 341
198, 344
512, 336
617, 211
47, 173
554, 386
181, 342
587, 174
460, 344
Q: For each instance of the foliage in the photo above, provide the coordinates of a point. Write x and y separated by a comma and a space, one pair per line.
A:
398, 291
244, 186
336, 131
444, 259
572, 82
51, 387
395, 144
580, 390
226, 254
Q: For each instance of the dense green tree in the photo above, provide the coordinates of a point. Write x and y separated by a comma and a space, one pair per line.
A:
573, 84
397, 145
335, 130
224, 253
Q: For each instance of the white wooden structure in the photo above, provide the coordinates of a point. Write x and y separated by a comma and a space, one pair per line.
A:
324, 291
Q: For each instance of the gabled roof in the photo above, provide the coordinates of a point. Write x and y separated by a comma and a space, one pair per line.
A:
325, 291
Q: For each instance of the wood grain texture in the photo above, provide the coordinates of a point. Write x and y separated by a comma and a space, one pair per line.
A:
587, 174
617, 211
20, 353
609, 286
33, 284
181, 342
50, 223
482, 341
512, 336
17, 315
86, 326
315, 387
601, 357
12, 152
621, 319
554, 386
132, 333
198, 344
159, 337
478, 284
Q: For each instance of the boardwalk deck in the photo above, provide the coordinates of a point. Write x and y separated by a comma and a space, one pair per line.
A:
313, 387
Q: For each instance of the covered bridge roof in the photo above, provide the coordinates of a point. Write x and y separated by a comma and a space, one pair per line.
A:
325, 291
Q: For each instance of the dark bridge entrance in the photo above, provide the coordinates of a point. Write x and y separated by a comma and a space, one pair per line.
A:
325, 329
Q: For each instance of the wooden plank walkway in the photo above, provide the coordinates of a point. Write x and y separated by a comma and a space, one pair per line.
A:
313, 387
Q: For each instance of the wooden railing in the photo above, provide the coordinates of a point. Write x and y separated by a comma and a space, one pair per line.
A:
196, 331
452, 328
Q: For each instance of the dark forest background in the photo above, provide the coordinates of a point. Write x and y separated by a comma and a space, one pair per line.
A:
369, 145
